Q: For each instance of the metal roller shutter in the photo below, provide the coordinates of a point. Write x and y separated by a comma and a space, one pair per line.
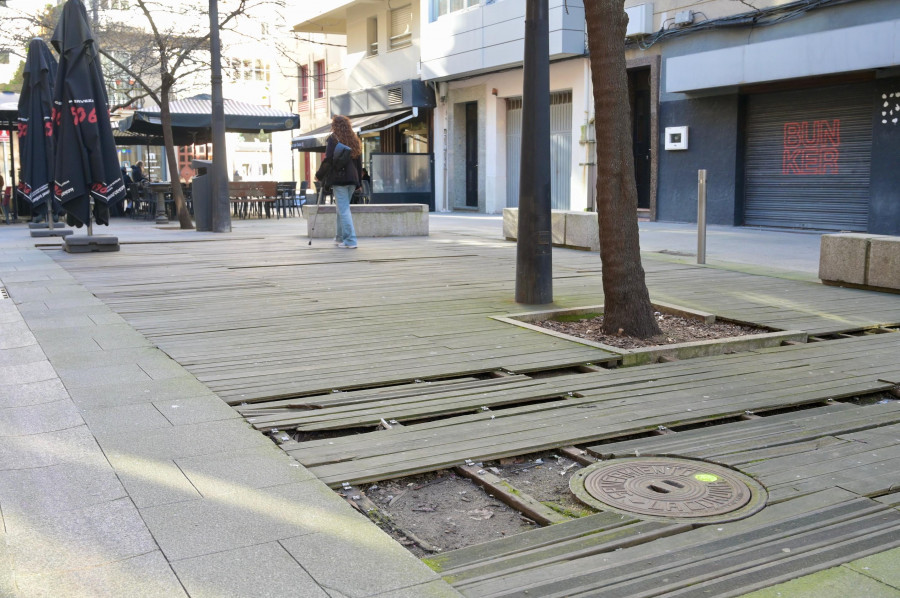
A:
560, 149
807, 160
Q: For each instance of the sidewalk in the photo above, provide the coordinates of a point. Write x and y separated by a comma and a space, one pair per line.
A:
121, 474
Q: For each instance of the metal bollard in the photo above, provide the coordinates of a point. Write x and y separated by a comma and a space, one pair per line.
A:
701, 216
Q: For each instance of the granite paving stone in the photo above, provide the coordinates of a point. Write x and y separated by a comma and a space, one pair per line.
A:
261, 571
433, 589
121, 392
56, 321
329, 558
249, 516
25, 373
16, 334
884, 567
832, 583
195, 410
25, 354
223, 473
152, 482
80, 538
72, 445
74, 377
31, 393
99, 357
183, 441
135, 417
41, 492
40, 418
142, 576
160, 366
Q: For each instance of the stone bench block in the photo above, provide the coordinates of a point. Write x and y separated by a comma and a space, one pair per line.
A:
884, 263
842, 257
370, 220
579, 230
582, 230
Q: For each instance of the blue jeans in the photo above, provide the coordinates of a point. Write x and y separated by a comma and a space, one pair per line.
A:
344, 231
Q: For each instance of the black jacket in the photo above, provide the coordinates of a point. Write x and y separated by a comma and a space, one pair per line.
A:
350, 174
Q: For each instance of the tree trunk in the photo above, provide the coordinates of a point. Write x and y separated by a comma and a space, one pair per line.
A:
165, 117
627, 305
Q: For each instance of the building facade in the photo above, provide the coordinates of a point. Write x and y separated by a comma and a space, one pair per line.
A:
792, 108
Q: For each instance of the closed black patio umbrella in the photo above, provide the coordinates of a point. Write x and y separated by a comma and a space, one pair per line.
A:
86, 165
35, 120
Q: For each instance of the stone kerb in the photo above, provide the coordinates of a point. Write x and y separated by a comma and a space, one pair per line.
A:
576, 230
860, 260
371, 220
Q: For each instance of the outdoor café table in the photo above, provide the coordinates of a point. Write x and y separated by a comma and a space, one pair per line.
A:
160, 189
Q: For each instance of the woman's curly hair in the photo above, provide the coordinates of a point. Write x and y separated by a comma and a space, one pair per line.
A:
343, 132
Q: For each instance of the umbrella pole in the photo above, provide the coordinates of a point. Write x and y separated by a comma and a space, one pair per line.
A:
50, 212
90, 222
14, 195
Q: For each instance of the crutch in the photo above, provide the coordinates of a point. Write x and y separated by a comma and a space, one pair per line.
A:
320, 193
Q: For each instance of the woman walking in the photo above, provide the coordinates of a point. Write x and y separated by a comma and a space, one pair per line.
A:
344, 181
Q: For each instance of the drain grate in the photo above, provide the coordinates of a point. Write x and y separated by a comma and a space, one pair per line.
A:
3, 293
668, 488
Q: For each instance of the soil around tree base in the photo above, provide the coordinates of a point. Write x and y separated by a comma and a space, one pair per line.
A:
675, 329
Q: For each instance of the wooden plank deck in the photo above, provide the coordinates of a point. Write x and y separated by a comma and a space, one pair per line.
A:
402, 330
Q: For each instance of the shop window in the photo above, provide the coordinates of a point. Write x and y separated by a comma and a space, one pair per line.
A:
401, 27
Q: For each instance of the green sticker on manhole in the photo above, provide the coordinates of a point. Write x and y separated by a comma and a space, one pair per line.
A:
706, 477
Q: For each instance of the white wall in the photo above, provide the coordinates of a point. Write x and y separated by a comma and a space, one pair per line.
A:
389, 65
492, 36
566, 75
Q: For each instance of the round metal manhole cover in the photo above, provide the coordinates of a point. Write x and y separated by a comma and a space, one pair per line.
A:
667, 488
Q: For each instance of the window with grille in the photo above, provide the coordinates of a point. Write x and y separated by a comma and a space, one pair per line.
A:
319, 75
401, 27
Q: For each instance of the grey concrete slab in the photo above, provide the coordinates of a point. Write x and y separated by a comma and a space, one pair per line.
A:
249, 517
838, 582
160, 366
143, 576
330, 559
80, 539
107, 318
184, 441
136, 417
882, 567
434, 589
15, 334
262, 571
25, 373
121, 392
37, 419
75, 376
57, 321
73, 346
100, 358
32, 393
72, 445
22, 355
196, 410
7, 578
152, 482
29, 496
119, 337
223, 473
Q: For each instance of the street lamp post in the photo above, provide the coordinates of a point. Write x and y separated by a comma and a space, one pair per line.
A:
534, 275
